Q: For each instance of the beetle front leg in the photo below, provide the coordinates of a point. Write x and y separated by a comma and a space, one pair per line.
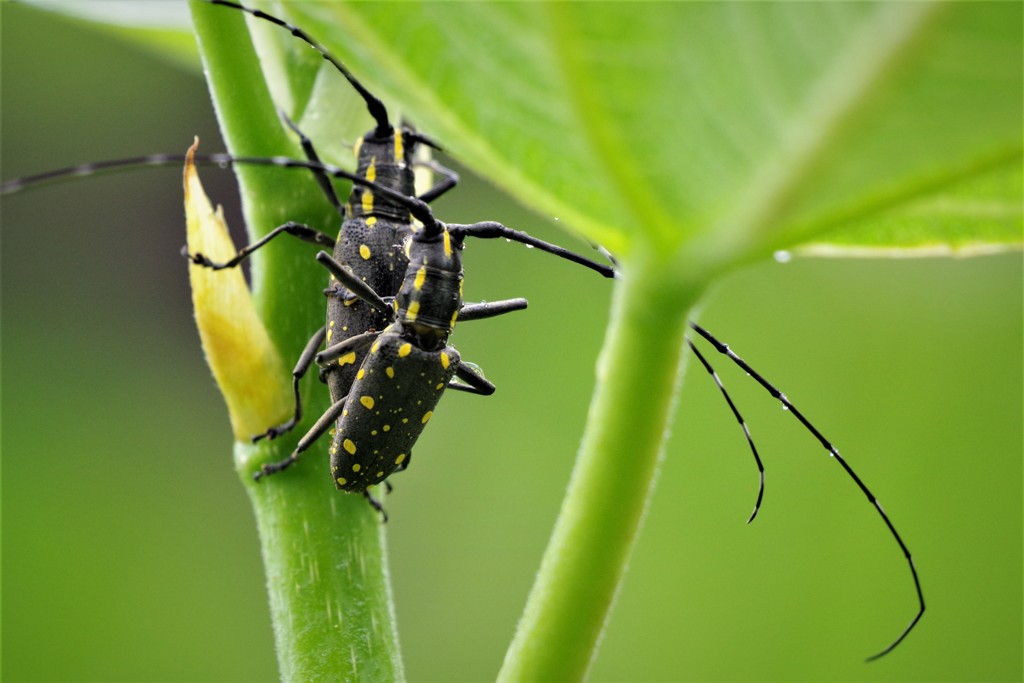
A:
320, 428
303, 232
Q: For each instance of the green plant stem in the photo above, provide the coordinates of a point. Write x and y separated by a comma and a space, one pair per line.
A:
614, 474
324, 551
326, 563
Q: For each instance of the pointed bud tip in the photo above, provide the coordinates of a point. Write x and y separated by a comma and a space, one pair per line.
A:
246, 365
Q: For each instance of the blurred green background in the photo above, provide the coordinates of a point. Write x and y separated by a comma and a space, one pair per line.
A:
129, 552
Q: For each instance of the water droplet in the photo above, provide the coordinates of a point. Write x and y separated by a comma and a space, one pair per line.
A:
783, 256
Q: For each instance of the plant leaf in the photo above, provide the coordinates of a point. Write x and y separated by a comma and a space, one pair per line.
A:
980, 215
667, 118
732, 129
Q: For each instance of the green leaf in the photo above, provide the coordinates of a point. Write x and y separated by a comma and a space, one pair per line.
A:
726, 130
980, 215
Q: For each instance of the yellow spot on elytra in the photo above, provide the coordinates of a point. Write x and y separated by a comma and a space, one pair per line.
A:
413, 311
356, 467
400, 459
404, 350
447, 244
349, 447
348, 359
390, 372
367, 401
330, 333
426, 416
361, 374
341, 481
439, 386
376, 345
364, 252
386, 428
371, 175
445, 361
421, 277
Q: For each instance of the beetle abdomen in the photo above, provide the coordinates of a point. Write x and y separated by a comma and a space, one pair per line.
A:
391, 400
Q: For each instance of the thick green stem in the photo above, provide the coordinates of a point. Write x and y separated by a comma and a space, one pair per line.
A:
614, 474
326, 563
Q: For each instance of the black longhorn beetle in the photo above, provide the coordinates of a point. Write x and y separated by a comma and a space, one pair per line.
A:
382, 399
374, 256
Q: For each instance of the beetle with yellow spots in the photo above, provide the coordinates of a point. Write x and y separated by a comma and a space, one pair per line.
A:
383, 395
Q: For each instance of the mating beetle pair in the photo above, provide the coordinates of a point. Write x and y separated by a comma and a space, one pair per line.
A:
382, 205
381, 399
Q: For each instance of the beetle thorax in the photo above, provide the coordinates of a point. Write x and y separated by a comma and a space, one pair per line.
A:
431, 294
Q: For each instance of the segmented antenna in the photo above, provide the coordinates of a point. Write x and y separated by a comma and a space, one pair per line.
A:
743, 425
376, 108
724, 349
79, 170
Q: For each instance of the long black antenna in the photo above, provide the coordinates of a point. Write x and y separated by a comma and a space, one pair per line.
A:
724, 349
376, 108
82, 170
417, 207
743, 425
